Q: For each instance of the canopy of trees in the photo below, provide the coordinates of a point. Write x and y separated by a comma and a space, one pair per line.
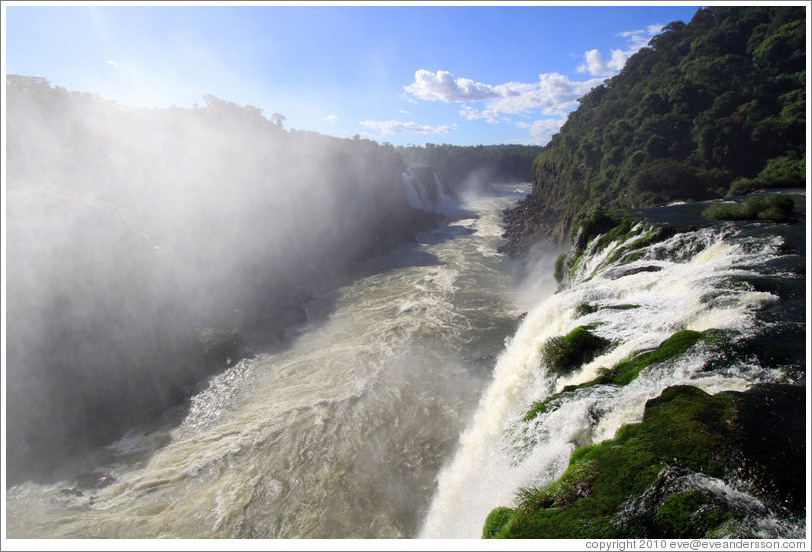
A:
709, 108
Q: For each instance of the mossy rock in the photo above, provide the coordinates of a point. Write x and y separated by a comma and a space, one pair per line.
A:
563, 354
588, 308
589, 223
684, 515
628, 370
630, 486
495, 521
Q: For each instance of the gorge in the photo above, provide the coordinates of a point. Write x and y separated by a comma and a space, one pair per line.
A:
220, 328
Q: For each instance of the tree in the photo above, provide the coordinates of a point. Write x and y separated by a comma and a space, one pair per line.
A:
278, 119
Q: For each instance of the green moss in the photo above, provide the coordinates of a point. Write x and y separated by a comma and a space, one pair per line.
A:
633, 249
584, 308
631, 238
627, 370
538, 408
620, 232
575, 263
589, 223
776, 208
560, 268
685, 515
625, 306
495, 522
563, 354
551, 403
681, 426
624, 488
588, 308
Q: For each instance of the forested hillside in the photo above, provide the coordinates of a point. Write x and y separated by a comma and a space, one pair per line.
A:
711, 108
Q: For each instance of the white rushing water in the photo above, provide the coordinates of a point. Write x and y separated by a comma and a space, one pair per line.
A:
339, 436
682, 283
400, 414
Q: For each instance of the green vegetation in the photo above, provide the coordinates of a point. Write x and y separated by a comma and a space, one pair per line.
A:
626, 488
782, 172
588, 308
711, 108
563, 354
776, 208
626, 371
691, 513
495, 521
617, 226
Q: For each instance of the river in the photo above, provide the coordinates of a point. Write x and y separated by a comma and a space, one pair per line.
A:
342, 434
400, 410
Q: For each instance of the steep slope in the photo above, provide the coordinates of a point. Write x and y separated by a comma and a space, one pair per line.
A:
710, 108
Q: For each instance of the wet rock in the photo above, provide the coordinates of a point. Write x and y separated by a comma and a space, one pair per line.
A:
675, 474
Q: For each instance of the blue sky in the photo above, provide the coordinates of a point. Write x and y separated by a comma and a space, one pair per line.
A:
462, 74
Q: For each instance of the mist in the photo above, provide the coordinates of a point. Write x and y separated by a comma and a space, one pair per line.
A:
150, 248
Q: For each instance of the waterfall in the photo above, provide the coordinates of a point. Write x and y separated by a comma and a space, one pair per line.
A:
420, 198
635, 297
442, 197
416, 192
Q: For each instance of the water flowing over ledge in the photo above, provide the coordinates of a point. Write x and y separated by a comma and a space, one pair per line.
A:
635, 295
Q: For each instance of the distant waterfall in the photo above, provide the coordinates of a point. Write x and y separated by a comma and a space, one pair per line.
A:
419, 197
442, 198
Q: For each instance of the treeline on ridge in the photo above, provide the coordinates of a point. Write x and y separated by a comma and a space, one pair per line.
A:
709, 109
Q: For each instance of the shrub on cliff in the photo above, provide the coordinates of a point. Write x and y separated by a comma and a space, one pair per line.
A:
563, 354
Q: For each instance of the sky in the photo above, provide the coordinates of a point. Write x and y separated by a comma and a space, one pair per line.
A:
403, 73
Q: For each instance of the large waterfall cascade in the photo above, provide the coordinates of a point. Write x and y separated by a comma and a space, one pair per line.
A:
402, 412
692, 281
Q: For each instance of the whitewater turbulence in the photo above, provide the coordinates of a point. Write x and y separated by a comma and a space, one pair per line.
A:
340, 435
692, 281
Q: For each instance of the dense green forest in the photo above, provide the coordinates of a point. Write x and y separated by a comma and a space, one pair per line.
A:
712, 108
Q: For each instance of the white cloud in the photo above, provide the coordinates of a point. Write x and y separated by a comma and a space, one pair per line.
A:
444, 87
330, 118
553, 94
399, 127
595, 64
543, 130
641, 37
113, 63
